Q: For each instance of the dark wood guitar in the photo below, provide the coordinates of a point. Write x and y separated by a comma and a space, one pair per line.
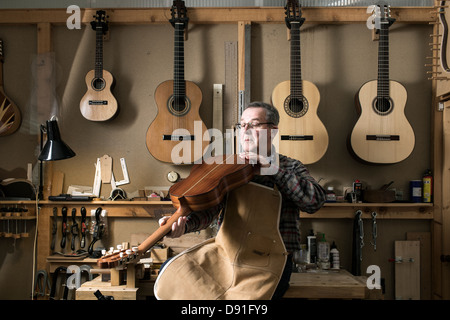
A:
99, 104
382, 133
178, 132
302, 134
10, 116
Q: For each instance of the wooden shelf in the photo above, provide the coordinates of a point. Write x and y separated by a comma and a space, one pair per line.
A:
383, 210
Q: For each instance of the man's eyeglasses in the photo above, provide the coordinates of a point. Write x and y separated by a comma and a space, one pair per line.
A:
251, 125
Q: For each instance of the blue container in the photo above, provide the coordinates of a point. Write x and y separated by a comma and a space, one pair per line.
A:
415, 190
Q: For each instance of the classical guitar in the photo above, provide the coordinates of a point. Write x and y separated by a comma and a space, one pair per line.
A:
302, 134
178, 131
10, 117
382, 133
99, 104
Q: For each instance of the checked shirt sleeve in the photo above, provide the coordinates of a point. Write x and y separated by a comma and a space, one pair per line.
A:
297, 185
199, 220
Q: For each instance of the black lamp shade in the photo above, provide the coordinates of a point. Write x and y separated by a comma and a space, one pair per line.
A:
55, 148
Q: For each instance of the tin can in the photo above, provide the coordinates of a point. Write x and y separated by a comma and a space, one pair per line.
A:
415, 187
427, 187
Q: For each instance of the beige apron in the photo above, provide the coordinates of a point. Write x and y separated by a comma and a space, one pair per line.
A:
244, 261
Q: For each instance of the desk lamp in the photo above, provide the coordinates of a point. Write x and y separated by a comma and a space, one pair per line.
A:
54, 149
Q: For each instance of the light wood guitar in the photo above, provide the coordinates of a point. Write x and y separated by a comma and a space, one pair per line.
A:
10, 117
302, 134
99, 104
382, 133
178, 101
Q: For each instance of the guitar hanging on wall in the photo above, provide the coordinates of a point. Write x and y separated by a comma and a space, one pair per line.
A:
178, 103
302, 134
382, 133
99, 104
10, 117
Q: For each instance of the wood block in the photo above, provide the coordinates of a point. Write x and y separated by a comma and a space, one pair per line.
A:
87, 289
160, 255
425, 262
407, 270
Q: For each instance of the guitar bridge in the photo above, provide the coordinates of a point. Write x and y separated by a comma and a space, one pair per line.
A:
383, 137
177, 137
98, 102
297, 137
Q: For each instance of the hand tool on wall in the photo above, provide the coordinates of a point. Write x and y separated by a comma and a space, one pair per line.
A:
63, 283
55, 214
374, 231
41, 283
64, 227
83, 227
74, 228
358, 243
98, 231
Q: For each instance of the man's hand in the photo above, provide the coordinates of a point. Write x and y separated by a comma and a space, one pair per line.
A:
178, 226
255, 158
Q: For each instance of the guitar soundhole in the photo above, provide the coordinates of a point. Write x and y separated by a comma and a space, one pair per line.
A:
383, 106
178, 106
98, 84
296, 107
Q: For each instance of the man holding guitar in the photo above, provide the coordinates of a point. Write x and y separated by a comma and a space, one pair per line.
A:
299, 190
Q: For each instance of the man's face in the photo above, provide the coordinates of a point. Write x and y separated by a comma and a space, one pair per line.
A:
250, 137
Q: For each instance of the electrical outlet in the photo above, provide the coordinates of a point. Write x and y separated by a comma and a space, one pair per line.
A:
346, 190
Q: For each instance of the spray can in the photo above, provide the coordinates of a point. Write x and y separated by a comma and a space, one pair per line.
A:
312, 247
323, 253
427, 187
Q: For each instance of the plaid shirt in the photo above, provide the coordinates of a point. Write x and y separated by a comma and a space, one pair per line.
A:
298, 189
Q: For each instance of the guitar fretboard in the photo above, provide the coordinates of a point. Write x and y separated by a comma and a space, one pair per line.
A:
179, 84
98, 52
383, 60
296, 64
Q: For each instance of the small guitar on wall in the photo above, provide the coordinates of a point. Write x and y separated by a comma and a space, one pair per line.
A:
302, 134
178, 103
382, 133
10, 117
99, 104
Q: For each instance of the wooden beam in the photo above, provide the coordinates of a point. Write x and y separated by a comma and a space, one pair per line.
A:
326, 15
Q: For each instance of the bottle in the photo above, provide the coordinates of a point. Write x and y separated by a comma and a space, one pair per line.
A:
331, 196
427, 186
335, 260
312, 247
323, 253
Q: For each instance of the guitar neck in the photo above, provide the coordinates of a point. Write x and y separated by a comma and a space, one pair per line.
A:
99, 53
383, 61
296, 64
179, 83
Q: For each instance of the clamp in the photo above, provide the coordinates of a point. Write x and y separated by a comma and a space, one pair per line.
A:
64, 227
74, 228
98, 231
83, 227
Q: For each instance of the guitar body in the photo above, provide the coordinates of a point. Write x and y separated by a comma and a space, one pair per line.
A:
385, 137
302, 134
10, 117
98, 103
158, 140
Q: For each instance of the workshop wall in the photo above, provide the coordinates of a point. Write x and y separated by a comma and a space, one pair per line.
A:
337, 58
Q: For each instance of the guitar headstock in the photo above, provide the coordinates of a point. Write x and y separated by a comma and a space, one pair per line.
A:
179, 13
100, 21
293, 13
382, 12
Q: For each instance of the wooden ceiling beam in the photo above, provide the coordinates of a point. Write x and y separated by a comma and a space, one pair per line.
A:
325, 15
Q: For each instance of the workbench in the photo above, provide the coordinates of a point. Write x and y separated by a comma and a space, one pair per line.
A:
316, 284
